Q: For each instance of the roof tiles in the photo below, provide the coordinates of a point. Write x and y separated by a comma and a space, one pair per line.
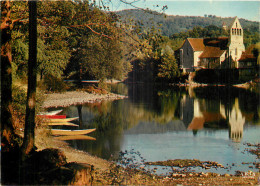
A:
196, 43
211, 52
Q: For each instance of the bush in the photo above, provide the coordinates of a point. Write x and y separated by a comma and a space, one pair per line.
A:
54, 84
216, 76
18, 110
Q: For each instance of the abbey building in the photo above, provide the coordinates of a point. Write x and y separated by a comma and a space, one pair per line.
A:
221, 52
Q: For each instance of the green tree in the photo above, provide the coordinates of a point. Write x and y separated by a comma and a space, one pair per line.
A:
168, 67
7, 132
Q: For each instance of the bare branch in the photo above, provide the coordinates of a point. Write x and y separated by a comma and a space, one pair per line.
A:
145, 10
88, 26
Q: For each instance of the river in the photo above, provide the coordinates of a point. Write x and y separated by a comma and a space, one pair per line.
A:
160, 123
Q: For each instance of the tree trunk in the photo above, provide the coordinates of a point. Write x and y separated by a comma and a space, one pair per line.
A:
29, 134
79, 107
7, 131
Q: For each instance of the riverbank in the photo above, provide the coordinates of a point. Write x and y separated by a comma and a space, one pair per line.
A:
76, 97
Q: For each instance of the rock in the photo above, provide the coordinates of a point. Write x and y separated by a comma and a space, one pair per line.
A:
83, 173
226, 175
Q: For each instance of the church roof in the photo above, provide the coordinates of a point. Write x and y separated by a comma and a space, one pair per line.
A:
220, 42
211, 52
196, 43
234, 21
214, 47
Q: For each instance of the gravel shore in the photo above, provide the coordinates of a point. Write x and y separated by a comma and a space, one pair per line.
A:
76, 97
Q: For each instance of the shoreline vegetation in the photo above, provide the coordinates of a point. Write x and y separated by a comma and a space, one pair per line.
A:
108, 173
246, 85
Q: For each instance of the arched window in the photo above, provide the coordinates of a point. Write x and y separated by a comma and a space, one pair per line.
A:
236, 25
236, 51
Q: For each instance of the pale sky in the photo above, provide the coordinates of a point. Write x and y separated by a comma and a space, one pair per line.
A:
242, 9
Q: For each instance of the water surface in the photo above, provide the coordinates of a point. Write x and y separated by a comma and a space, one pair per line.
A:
209, 124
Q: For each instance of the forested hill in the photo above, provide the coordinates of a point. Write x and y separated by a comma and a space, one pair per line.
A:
171, 24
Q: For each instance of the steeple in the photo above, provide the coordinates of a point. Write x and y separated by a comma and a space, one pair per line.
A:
236, 44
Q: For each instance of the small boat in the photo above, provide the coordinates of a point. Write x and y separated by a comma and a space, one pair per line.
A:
76, 137
61, 124
51, 112
71, 132
62, 120
53, 116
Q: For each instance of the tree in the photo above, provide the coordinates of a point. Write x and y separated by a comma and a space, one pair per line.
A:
168, 68
7, 132
96, 50
29, 134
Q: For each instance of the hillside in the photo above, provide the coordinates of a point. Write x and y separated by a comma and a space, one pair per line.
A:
171, 24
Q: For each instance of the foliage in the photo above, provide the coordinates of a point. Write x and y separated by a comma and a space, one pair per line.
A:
171, 24
19, 100
199, 32
96, 50
155, 59
168, 68
54, 84
216, 76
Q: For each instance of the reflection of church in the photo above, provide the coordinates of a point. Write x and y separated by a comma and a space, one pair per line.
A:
197, 114
236, 122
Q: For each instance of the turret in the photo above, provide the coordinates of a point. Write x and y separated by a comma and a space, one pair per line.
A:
236, 43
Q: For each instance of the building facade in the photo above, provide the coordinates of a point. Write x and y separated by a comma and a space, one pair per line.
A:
213, 52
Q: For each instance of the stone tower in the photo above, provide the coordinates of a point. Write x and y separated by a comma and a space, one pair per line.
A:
236, 45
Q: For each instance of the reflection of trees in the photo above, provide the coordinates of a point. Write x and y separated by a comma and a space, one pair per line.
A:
151, 107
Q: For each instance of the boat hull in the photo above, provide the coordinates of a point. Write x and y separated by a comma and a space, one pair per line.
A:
62, 120
76, 137
51, 112
62, 124
71, 132
53, 116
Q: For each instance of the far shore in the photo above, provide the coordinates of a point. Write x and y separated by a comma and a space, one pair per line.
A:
194, 84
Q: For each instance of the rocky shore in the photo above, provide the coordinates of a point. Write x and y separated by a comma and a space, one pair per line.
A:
76, 97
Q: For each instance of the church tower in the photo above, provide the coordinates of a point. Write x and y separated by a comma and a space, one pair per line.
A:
236, 43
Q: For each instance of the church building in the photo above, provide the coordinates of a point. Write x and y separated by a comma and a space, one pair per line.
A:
221, 52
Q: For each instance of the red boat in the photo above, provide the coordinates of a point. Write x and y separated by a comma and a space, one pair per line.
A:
53, 116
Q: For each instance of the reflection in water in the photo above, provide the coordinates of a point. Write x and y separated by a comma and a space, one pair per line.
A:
158, 114
208, 110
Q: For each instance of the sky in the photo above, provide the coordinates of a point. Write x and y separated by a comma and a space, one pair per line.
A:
249, 10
